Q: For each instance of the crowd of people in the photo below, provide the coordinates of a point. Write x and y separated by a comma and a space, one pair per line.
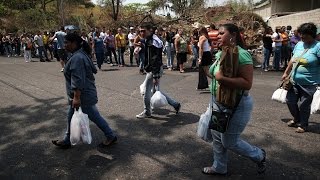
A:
280, 44
146, 45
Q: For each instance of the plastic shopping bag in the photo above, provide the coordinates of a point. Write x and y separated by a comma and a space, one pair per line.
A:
203, 130
280, 95
75, 129
158, 100
143, 88
315, 105
85, 128
79, 128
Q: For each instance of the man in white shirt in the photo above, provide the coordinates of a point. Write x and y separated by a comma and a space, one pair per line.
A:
277, 43
131, 36
39, 44
62, 54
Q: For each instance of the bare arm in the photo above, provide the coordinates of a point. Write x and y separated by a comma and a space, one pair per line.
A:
288, 70
243, 81
201, 42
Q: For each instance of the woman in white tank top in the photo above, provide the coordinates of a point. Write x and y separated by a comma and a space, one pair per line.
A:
205, 58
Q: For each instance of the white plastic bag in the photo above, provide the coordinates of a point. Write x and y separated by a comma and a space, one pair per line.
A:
203, 130
143, 88
158, 100
85, 128
280, 95
79, 128
75, 129
315, 105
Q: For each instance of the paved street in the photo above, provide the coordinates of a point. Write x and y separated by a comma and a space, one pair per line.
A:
33, 109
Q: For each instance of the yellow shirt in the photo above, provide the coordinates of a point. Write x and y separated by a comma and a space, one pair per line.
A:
45, 39
120, 41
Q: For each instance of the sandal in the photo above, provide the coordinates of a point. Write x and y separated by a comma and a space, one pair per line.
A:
210, 171
108, 143
61, 144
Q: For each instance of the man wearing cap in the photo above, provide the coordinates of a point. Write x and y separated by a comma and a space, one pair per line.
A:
131, 36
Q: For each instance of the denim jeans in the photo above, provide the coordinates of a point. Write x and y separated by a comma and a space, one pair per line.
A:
100, 58
231, 138
141, 60
147, 95
131, 48
267, 54
110, 52
8, 49
195, 52
121, 56
277, 58
42, 51
95, 117
170, 54
299, 99
27, 55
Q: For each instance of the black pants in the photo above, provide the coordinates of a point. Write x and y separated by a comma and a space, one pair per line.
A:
131, 54
203, 81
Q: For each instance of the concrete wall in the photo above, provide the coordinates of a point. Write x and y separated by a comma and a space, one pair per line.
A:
297, 19
293, 5
264, 12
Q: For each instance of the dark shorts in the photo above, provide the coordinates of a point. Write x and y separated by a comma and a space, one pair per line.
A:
182, 58
62, 55
206, 59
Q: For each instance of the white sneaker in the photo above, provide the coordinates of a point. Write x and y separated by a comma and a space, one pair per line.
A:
62, 70
143, 115
266, 70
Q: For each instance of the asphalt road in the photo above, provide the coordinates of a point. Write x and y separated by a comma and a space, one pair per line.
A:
33, 112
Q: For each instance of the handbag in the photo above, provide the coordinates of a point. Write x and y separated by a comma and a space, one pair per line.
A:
280, 95
221, 115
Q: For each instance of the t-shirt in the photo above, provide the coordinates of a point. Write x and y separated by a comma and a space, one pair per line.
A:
60, 37
277, 36
38, 40
294, 40
45, 39
110, 41
102, 35
120, 41
183, 46
244, 59
131, 36
308, 70
267, 42
285, 39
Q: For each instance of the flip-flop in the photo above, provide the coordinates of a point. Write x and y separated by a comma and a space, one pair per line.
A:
210, 171
61, 144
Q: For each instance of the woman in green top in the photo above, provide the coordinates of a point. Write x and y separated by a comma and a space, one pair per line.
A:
181, 46
229, 36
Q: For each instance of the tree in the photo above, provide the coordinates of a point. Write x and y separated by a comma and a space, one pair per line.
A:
115, 6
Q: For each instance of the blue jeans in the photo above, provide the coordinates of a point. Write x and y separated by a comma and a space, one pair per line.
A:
277, 58
141, 60
299, 99
231, 138
121, 56
170, 54
95, 117
147, 95
195, 52
100, 58
267, 54
42, 51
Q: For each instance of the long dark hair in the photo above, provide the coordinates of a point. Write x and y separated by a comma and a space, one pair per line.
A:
232, 28
73, 37
203, 31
